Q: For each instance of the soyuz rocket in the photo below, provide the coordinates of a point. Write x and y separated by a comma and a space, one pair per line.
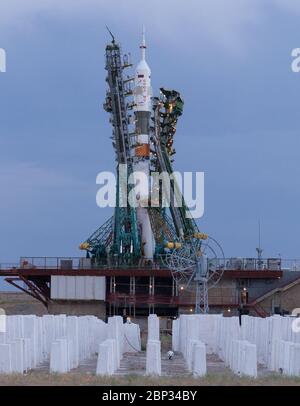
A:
142, 93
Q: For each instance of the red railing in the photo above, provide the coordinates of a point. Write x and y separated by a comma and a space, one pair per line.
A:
233, 264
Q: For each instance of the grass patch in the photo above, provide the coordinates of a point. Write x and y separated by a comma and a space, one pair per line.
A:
221, 379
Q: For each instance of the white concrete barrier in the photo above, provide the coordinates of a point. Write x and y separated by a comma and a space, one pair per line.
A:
2, 338
17, 356
116, 332
30, 339
2, 321
196, 357
132, 337
5, 359
106, 363
190, 353
199, 359
31, 332
153, 358
26, 353
175, 335
272, 341
286, 357
72, 337
243, 359
153, 327
59, 360
218, 334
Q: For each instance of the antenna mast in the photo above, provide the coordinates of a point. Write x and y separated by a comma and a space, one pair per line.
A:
259, 250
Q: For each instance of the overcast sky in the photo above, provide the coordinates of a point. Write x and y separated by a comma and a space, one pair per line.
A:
231, 60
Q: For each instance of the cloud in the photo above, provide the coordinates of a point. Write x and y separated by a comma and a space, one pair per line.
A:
224, 23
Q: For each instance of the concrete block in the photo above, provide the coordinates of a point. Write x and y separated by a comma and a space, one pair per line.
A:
153, 358
61, 326
183, 335
105, 362
83, 337
27, 353
287, 358
72, 337
190, 353
243, 360
175, 335
5, 359
30, 331
101, 333
199, 357
2, 321
153, 327
32, 339
206, 330
17, 356
250, 365
295, 359
59, 357
116, 331
48, 331
114, 353
132, 337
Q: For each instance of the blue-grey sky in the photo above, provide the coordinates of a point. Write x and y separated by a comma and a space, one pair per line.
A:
231, 60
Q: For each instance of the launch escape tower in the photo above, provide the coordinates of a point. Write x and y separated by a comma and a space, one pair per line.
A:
150, 235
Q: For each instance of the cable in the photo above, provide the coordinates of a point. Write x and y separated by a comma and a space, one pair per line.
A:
135, 349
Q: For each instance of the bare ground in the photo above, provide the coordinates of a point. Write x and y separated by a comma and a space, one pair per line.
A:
173, 375
21, 303
71, 379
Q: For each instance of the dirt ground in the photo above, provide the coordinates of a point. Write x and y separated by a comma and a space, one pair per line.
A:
218, 375
70, 379
20, 303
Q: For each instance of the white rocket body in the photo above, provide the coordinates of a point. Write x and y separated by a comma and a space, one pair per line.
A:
142, 108
142, 86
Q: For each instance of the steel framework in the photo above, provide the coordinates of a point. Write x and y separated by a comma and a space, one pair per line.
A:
178, 241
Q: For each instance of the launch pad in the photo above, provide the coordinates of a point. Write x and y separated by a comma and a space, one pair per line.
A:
147, 257
157, 233
67, 285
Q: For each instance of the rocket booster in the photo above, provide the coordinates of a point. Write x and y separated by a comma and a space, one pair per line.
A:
142, 93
